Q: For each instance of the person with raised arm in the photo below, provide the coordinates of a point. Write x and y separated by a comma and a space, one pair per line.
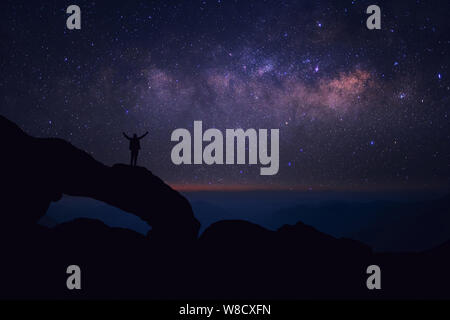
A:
135, 146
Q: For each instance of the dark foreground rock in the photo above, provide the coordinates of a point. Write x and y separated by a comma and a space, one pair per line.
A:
232, 259
38, 171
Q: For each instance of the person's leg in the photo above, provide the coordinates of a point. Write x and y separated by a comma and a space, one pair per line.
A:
131, 159
135, 158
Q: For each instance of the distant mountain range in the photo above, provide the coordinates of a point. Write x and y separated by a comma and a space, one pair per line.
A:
384, 225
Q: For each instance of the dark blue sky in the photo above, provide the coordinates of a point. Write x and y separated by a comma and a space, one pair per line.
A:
356, 109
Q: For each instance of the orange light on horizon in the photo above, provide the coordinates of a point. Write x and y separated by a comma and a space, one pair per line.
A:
215, 187
240, 187
298, 188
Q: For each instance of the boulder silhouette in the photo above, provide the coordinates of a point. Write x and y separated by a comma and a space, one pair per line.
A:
37, 171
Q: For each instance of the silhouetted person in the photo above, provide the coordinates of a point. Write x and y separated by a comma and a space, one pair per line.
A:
135, 146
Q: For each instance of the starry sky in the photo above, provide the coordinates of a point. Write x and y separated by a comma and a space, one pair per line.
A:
356, 109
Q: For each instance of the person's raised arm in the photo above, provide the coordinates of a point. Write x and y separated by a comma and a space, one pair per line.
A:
143, 135
125, 135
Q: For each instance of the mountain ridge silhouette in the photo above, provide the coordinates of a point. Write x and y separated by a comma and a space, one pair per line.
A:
231, 259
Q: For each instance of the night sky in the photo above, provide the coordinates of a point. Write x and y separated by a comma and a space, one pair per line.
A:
357, 109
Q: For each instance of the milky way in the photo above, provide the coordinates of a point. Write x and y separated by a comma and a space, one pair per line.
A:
356, 109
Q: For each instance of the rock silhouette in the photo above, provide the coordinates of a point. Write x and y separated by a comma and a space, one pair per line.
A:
45, 169
231, 259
